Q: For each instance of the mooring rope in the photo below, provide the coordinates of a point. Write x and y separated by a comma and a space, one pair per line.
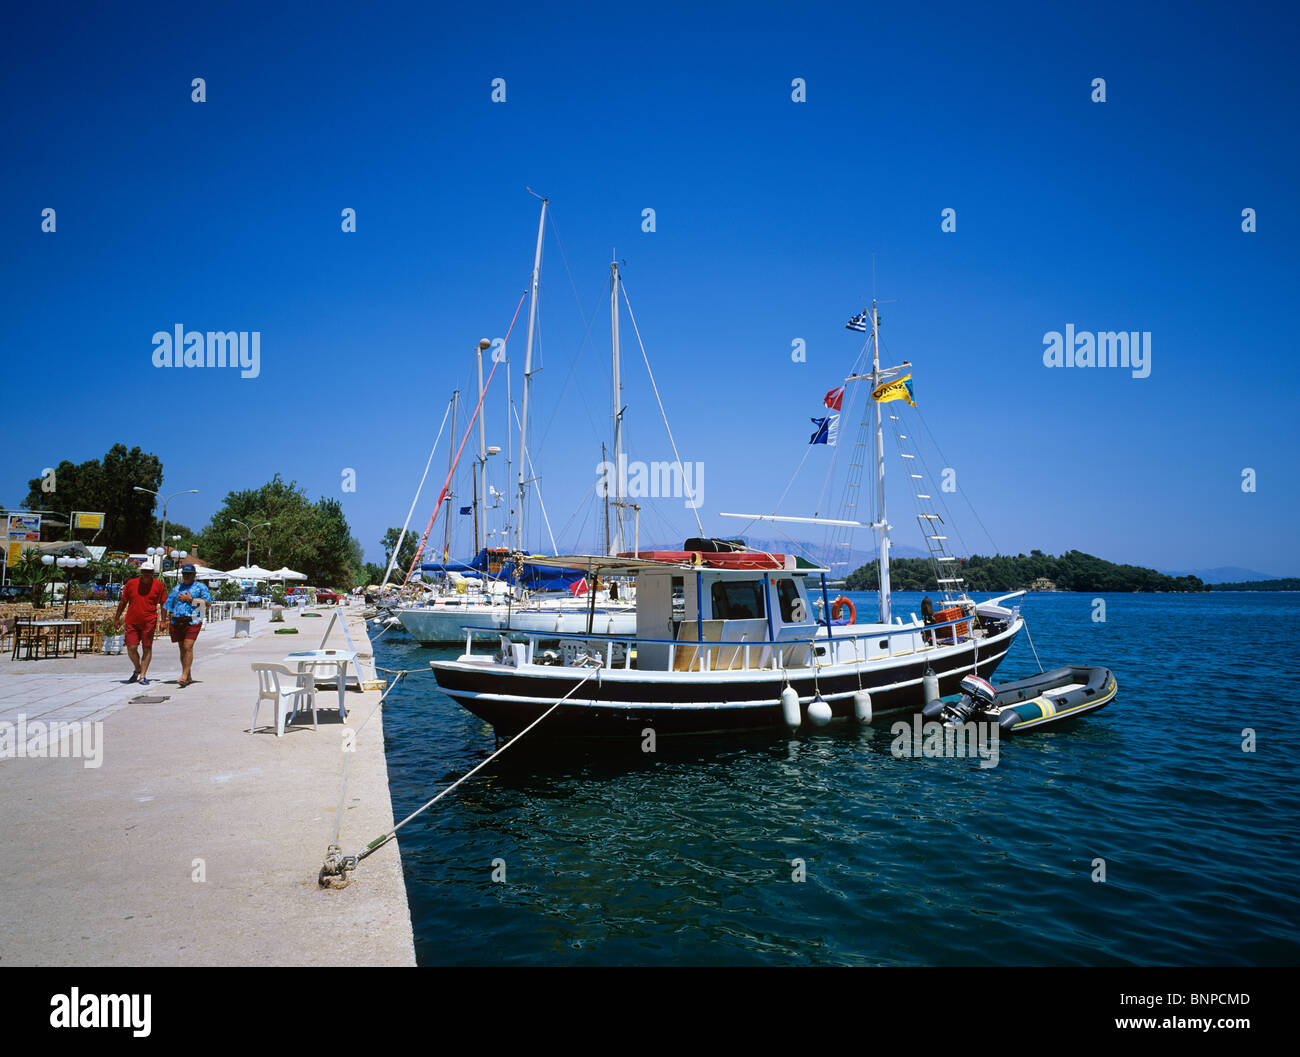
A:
1031, 645
347, 758
337, 864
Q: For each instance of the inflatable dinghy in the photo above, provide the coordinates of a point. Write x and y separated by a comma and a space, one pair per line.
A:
1028, 704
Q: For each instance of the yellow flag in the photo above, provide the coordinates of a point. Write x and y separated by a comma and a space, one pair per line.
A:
898, 389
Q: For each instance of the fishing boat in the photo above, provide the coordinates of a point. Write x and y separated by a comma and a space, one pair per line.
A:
1049, 699
730, 638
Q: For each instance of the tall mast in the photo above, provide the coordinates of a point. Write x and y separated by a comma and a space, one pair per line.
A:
510, 448
882, 525
608, 549
528, 381
451, 462
617, 546
480, 501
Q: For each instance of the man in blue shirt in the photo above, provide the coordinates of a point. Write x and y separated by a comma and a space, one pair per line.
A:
185, 607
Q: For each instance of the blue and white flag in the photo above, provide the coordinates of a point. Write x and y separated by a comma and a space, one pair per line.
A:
858, 322
827, 430
467, 510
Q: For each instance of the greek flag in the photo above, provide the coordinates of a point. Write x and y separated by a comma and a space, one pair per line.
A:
827, 430
858, 322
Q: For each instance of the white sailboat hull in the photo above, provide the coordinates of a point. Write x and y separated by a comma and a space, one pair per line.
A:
443, 623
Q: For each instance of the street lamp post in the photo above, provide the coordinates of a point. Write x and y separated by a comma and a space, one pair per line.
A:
162, 539
69, 563
161, 552
248, 539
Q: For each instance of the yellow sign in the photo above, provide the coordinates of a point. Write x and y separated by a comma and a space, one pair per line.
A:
15, 552
84, 520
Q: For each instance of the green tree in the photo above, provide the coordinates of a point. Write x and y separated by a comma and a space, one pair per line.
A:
311, 538
1072, 571
189, 539
106, 486
339, 558
404, 556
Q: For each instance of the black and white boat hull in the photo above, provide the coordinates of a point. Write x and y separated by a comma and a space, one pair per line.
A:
622, 703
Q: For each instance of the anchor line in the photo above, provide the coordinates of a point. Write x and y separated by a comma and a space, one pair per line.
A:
379, 842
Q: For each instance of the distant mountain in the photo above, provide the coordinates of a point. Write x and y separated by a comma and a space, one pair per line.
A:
1286, 583
1223, 574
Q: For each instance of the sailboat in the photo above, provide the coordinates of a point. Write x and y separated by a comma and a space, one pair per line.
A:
501, 590
729, 638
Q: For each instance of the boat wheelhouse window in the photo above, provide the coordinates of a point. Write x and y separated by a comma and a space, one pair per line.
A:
791, 607
679, 598
738, 600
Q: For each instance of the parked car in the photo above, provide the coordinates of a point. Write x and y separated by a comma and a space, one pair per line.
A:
324, 596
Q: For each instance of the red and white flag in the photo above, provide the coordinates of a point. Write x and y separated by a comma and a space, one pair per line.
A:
834, 398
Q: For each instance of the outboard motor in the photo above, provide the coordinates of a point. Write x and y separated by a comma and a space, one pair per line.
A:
977, 696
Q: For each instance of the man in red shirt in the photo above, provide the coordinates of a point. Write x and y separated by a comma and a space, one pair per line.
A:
141, 597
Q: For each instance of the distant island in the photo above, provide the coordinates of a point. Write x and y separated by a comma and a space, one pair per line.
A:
1072, 571
1290, 583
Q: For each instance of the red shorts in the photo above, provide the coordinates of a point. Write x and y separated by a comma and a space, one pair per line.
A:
190, 633
141, 634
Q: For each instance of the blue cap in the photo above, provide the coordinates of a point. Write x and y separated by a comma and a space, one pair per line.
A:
187, 568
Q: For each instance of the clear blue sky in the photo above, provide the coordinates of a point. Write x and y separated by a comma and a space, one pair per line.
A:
225, 215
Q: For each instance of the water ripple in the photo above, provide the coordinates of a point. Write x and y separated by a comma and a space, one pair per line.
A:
692, 855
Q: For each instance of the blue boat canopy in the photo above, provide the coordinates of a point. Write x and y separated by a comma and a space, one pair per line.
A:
535, 577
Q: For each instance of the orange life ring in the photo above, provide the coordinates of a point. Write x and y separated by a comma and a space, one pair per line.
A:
838, 605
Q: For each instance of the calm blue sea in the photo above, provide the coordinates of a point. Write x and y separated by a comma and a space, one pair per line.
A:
685, 856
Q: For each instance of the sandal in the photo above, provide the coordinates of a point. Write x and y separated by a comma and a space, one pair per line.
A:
183, 683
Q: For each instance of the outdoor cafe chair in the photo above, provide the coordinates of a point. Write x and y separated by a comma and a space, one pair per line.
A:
285, 699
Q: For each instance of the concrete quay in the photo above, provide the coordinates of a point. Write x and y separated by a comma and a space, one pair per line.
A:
194, 842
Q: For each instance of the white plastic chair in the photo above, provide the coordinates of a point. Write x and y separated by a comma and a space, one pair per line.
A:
269, 689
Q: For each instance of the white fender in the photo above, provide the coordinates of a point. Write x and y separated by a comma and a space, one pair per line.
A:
862, 706
790, 707
819, 712
930, 682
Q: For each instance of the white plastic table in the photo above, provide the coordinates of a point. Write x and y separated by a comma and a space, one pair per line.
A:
337, 659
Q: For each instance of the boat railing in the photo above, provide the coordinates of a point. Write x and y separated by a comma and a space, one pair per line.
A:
707, 652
